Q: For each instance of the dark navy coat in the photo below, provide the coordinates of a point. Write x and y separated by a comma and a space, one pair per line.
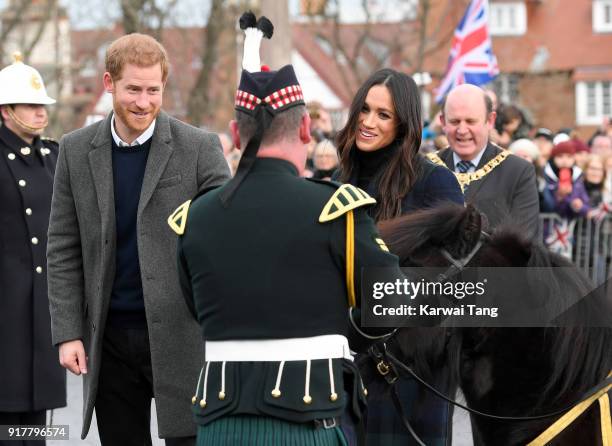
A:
31, 378
430, 416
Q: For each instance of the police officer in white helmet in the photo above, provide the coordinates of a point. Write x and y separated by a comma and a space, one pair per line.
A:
32, 381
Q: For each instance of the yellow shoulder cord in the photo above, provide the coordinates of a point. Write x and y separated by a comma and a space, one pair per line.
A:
350, 257
347, 198
606, 420
569, 417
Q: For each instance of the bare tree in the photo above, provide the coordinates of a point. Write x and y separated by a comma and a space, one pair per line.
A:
26, 25
199, 105
131, 12
42, 25
145, 16
359, 50
12, 18
430, 31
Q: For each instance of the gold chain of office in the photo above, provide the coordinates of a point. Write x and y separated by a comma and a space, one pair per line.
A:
465, 179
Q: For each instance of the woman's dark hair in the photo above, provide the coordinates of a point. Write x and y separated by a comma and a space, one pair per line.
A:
401, 170
506, 113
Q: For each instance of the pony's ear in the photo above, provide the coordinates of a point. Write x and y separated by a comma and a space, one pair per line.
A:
473, 219
467, 233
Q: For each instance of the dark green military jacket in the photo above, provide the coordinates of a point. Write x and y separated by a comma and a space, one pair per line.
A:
266, 267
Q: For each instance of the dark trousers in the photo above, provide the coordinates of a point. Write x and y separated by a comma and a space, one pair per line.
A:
20, 419
125, 390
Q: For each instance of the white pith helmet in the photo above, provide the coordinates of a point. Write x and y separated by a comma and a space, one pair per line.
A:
22, 84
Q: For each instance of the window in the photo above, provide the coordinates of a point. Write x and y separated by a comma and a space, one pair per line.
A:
506, 86
606, 105
507, 18
602, 16
593, 102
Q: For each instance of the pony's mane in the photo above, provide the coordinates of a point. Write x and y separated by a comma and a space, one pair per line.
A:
582, 350
449, 226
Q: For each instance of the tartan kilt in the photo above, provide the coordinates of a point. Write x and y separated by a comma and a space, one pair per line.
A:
253, 430
429, 415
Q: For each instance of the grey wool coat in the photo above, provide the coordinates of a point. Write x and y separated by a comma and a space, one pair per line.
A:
81, 255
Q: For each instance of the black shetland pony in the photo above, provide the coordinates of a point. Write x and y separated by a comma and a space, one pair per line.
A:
508, 372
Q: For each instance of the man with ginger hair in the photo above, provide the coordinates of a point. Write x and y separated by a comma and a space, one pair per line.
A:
116, 307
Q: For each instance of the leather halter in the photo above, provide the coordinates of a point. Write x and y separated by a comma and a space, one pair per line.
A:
457, 265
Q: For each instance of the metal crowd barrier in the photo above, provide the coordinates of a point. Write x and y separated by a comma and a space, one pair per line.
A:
587, 242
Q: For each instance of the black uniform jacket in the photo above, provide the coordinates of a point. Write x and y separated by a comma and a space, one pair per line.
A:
31, 378
266, 268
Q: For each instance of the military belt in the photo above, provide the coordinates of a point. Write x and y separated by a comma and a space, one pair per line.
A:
276, 350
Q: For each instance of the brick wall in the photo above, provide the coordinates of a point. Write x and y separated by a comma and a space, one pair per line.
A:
551, 99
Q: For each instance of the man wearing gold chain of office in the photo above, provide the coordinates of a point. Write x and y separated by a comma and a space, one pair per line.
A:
501, 186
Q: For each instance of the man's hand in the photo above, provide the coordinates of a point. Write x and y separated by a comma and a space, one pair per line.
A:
72, 356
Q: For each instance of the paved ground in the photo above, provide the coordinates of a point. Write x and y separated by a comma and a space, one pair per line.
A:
72, 416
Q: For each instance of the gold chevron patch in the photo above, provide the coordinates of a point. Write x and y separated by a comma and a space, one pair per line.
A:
178, 219
346, 198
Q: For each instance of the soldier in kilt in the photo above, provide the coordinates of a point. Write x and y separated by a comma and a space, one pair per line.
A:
270, 266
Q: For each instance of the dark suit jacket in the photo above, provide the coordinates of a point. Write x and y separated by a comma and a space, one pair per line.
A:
509, 193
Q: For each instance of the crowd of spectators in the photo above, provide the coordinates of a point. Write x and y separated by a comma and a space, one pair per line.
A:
574, 175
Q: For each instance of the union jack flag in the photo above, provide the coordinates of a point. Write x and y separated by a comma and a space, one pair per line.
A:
601, 212
560, 237
471, 59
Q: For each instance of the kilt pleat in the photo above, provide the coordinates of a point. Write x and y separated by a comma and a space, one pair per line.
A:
255, 430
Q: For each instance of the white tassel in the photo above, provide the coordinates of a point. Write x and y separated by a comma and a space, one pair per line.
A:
252, 41
333, 396
203, 400
307, 398
276, 393
195, 397
222, 391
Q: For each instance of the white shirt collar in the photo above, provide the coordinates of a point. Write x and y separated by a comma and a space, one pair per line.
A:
475, 161
144, 136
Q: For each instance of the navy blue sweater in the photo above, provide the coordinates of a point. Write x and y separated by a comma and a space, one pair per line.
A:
127, 304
